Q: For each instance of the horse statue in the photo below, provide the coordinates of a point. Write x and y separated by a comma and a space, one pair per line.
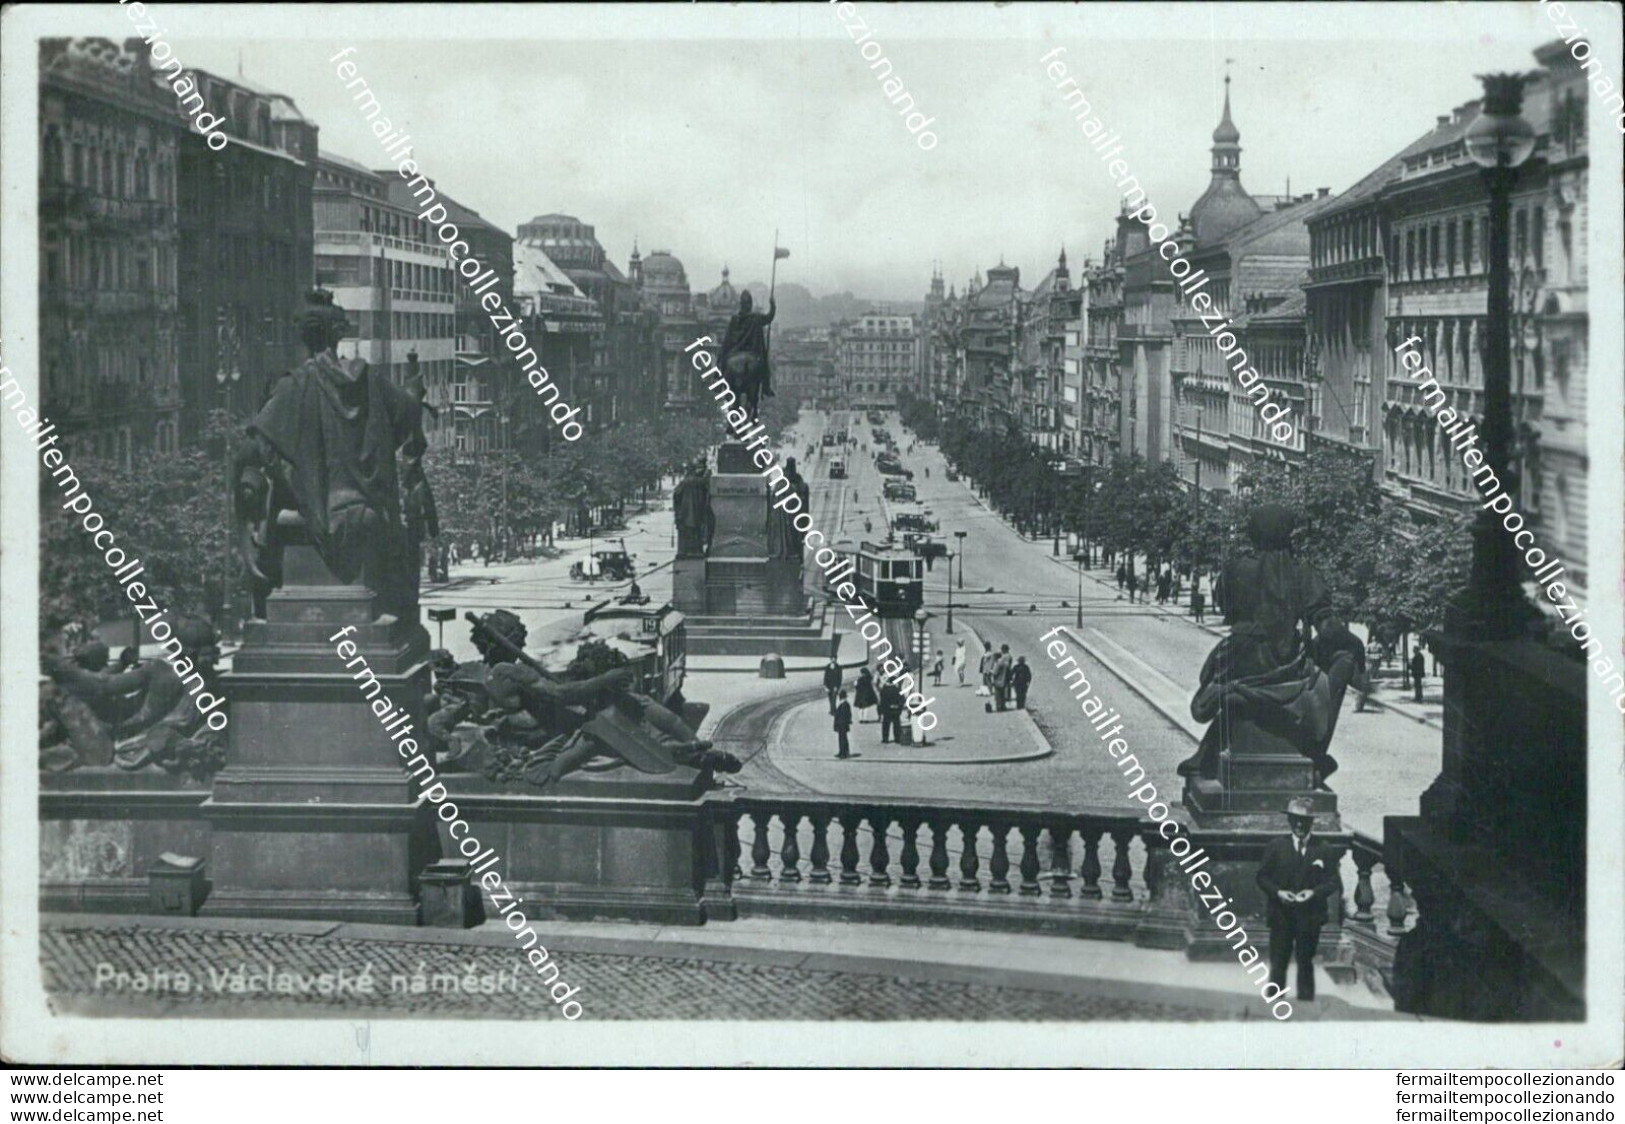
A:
744, 355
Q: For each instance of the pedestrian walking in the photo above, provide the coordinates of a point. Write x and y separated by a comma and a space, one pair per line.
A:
864, 696
891, 710
959, 661
832, 683
1165, 582
1021, 677
984, 667
1198, 603
1001, 676
843, 723
1122, 575
1298, 877
936, 670
1133, 585
1418, 666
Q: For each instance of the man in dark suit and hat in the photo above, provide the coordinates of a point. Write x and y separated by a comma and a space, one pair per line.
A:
1298, 877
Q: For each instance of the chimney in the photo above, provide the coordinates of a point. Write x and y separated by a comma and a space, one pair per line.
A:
1323, 192
1444, 119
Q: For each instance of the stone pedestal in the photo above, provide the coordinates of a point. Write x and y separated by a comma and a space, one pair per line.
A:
312, 815
739, 579
615, 846
1232, 819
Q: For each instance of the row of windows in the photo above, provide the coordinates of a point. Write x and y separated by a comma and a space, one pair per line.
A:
108, 265
1452, 248
403, 325
112, 174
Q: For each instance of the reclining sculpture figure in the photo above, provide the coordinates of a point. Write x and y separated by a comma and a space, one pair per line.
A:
508, 717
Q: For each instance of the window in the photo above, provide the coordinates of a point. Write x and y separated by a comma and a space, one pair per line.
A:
1520, 239
1450, 248
1467, 246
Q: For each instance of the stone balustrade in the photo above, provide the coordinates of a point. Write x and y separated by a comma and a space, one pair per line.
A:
916, 861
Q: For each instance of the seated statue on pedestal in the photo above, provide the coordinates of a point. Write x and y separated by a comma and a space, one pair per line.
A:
320, 463
1266, 683
507, 717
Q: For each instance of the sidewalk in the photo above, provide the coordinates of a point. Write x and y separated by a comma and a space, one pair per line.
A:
803, 744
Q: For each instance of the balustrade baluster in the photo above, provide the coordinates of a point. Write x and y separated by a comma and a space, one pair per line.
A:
849, 850
999, 865
790, 851
969, 862
820, 850
1364, 896
939, 857
1060, 862
1029, 860
1398, 906
911, 855
879, 855
1090, 870
759, 850
735, 850
1121, 871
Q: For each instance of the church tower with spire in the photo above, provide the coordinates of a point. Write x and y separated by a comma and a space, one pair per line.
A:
1225, 206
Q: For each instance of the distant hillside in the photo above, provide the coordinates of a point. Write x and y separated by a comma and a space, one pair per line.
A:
798, 308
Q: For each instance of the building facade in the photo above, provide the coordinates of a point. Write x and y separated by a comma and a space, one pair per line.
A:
387, 271
876, 357
246, 250
110, 142
1436, 235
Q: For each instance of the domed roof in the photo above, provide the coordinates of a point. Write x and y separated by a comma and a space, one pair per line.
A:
1224, 207
663, 271
724, 295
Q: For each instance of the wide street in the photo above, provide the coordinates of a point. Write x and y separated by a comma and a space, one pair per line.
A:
1141, 660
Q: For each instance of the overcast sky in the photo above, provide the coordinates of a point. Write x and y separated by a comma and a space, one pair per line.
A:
700, 130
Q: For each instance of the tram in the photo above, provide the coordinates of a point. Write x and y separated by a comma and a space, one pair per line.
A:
890, 580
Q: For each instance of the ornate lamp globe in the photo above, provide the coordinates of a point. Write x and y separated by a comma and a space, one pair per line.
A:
1500, 137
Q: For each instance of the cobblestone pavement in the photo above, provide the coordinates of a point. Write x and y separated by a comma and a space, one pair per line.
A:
115, 969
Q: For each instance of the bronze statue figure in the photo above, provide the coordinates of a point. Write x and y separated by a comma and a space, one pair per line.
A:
509, 718
691, 506
321, 462
1267, 681
133, 717
743, 355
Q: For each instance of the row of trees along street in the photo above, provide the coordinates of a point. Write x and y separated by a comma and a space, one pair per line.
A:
172, 511
1385, 570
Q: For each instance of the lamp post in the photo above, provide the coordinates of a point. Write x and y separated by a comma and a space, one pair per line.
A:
960, 535
950, 576
1080, 590
228, 373
1498, 141
920, 617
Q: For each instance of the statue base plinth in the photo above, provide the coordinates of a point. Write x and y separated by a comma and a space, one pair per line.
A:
613, 846
312, 815
1231, 820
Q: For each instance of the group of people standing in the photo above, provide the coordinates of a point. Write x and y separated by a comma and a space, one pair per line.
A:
887, 700
1166, 585
1002, 675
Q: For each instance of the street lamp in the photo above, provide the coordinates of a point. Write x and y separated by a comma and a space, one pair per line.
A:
950, 577
960, 535
920, 617
1499, 140
1079, 559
